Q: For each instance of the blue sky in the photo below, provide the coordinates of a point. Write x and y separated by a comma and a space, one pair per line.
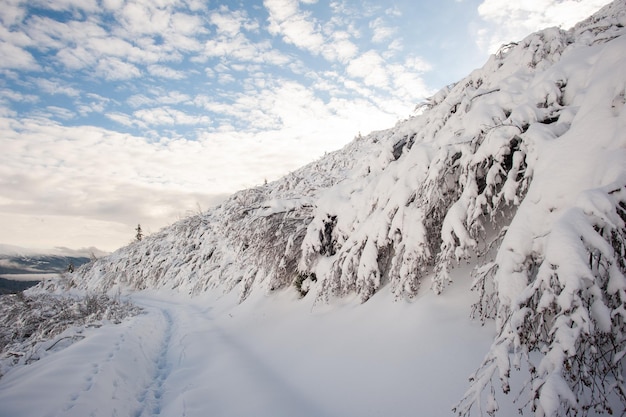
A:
119, 112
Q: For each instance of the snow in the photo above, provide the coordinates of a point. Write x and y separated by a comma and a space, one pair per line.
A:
269, 356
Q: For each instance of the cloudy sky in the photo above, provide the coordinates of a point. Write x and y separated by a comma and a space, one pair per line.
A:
118, 112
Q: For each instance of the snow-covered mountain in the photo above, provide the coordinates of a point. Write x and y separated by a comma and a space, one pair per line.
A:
519, 168
21, 268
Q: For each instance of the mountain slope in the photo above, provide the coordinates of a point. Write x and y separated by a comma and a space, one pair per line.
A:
519, 167
473, 150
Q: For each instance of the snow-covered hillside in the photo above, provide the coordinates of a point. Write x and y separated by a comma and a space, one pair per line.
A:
395, 205
519, 168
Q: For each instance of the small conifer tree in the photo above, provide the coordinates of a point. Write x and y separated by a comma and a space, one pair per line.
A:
139, 234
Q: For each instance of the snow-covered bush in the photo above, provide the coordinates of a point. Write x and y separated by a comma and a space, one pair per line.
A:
448, 174
567, 327
557, 285
34, 323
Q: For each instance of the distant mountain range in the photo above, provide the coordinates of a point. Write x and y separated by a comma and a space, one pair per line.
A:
21, 268
38, 264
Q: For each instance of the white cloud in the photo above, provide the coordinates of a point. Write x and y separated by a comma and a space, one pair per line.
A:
240, 48
227, 23
95, 104
275, 105
82, 44
159, 97
295, 27
76, 58
56, 87
12, 12
104, 179
393, 11
139, 18
394, 47
417, 64
113, 4
139, 100
175, 46
62, 5
60, 112
115, 69
168, 116
381, 31
369, 67
408, 84
6, 94
186, 24
511, 21
86, 169
171, 97
117, 47
281, 10
47, 33
166, 72
340, 47
123, 119
224, 78
14, 57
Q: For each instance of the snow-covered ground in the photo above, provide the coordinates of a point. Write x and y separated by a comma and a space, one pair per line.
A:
270, 356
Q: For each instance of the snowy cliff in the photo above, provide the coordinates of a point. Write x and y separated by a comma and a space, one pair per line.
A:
519, 168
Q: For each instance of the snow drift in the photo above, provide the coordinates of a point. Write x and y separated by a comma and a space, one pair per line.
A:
519, 168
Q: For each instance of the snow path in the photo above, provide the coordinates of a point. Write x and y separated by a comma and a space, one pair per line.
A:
203, 369
270, 356
150, 396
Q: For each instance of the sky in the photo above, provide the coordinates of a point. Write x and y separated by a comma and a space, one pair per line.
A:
115, 113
